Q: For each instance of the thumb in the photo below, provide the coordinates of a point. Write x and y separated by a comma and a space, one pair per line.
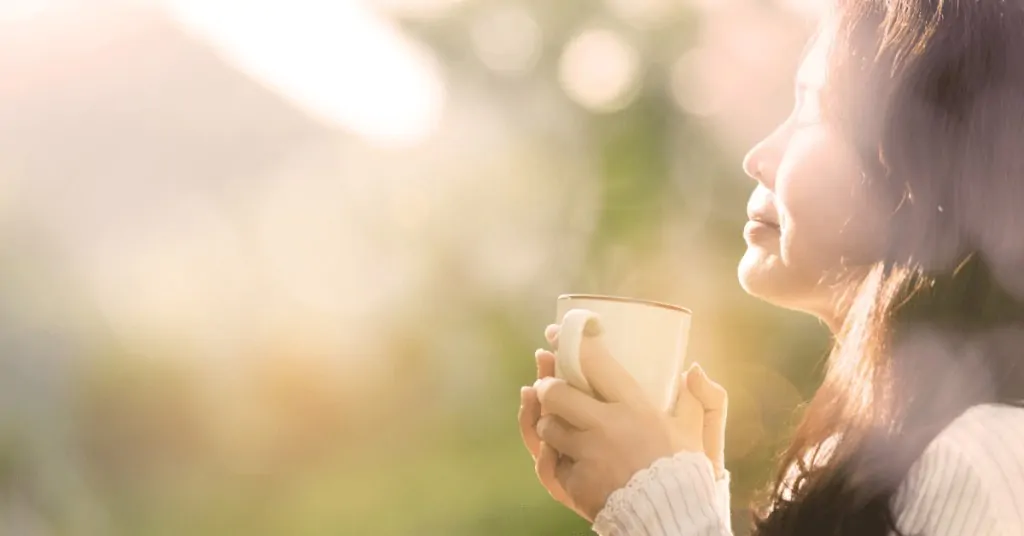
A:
710, 394
608, 378
687, 419
715, 402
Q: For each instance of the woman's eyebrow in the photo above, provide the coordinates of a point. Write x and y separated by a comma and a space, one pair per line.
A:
801, 87
808, 83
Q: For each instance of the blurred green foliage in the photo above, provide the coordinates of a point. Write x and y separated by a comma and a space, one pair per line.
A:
147, 445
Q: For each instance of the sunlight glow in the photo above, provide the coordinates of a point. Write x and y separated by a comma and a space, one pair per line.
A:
336, 59
414, 8
178, 279
507, 39
644, 13
22, 10
809, 8
600, 70
693, 82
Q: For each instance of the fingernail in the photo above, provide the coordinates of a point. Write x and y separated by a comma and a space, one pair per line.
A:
700, 371
592, 328
523, 390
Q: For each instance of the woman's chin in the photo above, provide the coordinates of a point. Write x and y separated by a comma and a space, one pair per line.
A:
762, 274
755, 270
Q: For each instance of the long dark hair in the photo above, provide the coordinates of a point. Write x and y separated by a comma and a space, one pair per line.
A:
931, 92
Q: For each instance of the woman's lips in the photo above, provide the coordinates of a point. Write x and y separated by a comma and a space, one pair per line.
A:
758, 230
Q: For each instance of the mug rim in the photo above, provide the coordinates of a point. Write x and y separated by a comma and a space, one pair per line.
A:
623, 299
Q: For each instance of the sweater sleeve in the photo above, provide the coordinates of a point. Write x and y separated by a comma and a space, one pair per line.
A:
676, 496
970, 480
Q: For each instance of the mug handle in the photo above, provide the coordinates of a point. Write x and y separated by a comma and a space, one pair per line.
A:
576, 324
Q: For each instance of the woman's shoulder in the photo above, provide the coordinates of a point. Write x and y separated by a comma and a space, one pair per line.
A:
972, 472
989, 413
985, 429
989, 438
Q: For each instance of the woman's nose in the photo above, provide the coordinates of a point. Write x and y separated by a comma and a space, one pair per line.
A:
762, 162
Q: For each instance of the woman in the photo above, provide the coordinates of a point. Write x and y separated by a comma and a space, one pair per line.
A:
886, 205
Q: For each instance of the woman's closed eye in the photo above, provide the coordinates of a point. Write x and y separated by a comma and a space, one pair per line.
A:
808, 110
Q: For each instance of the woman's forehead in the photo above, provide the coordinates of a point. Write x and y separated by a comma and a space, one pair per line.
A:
813, 70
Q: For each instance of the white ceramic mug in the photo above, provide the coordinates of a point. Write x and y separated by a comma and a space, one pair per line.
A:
647, 338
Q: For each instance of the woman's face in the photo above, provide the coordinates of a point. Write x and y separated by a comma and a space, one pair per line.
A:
809, 217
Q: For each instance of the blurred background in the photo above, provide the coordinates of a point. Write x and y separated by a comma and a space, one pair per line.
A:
279, 267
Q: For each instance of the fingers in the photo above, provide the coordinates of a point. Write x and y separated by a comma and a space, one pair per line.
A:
547, 460
715, 402
560, 435
606, 376
529, 407
545, 364
529, 414
563, 471
710, 394
687, 418
687, 406
559, 398
551, 334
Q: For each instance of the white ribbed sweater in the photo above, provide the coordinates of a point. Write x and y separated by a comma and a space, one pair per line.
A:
968, 482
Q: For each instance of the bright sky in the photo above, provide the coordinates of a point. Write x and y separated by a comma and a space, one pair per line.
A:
335, 58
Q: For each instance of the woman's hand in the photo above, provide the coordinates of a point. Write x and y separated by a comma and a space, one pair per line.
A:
545, 457
604, 443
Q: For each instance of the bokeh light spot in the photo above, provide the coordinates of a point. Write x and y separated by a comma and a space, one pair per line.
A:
415, 8
600, 70
507, 39
643, 13
691, 80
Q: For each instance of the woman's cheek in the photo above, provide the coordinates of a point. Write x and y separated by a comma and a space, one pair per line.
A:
809, 247
819, 207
